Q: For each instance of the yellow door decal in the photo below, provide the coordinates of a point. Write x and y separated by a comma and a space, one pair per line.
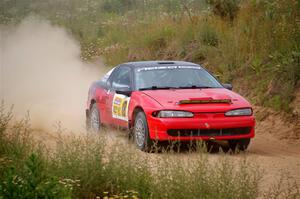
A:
120, 107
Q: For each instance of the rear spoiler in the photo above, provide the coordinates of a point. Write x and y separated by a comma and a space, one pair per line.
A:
209, 101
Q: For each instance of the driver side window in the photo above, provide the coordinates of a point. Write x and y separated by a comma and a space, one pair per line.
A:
121, 79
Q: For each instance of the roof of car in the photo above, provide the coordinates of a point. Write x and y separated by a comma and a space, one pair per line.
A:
159, 63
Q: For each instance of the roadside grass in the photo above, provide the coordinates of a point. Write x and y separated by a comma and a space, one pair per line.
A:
90, 166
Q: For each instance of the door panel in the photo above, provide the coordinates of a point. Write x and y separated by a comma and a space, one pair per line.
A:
103, 97
109, 104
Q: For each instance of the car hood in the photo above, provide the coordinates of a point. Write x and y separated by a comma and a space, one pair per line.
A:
198, 100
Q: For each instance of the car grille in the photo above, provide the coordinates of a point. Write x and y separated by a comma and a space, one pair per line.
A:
209, 132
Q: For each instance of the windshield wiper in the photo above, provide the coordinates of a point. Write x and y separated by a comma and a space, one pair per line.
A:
157, 88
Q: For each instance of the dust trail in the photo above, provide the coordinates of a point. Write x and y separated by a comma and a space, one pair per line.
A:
41, 71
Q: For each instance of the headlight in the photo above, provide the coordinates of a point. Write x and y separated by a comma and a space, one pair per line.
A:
175, 114
239, 112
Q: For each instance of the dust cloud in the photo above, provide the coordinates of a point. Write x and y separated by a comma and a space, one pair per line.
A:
41, 72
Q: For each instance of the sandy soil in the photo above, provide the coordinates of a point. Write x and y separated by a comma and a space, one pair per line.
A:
276, 157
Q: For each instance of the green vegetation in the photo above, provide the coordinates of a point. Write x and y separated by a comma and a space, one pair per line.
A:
254, 44
90, 166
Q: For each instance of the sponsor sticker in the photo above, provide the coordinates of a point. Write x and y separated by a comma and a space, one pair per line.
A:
120, 107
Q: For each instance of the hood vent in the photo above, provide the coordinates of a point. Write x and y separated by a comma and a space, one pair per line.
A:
206, 101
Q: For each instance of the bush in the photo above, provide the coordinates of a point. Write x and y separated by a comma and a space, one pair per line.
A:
226, 9
32, 181
209, 36
118, 6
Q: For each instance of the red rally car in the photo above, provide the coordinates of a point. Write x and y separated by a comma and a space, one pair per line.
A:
169, 100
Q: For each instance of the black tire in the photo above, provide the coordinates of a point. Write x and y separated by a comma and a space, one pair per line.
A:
93, 121
212, 147
240, 144
141, 133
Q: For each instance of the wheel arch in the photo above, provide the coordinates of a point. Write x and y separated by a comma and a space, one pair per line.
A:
134, 113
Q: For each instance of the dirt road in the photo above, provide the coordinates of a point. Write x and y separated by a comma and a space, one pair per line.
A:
276, 157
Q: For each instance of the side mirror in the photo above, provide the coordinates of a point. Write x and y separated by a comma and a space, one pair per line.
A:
124, 90
227, 86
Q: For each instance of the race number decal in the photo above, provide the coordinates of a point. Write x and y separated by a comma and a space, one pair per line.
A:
120, 107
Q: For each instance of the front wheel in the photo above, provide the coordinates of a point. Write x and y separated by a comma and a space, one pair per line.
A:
141, 132
240, 144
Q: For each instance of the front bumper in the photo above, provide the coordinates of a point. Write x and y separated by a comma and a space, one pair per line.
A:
203, 126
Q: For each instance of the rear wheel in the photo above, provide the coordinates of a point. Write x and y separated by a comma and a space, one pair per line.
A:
141, 132
240, 144
94, 119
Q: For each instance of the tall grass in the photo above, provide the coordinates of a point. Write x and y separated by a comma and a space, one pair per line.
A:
90, 166
258, 50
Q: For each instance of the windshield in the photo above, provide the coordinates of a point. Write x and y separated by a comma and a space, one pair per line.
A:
174, 77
